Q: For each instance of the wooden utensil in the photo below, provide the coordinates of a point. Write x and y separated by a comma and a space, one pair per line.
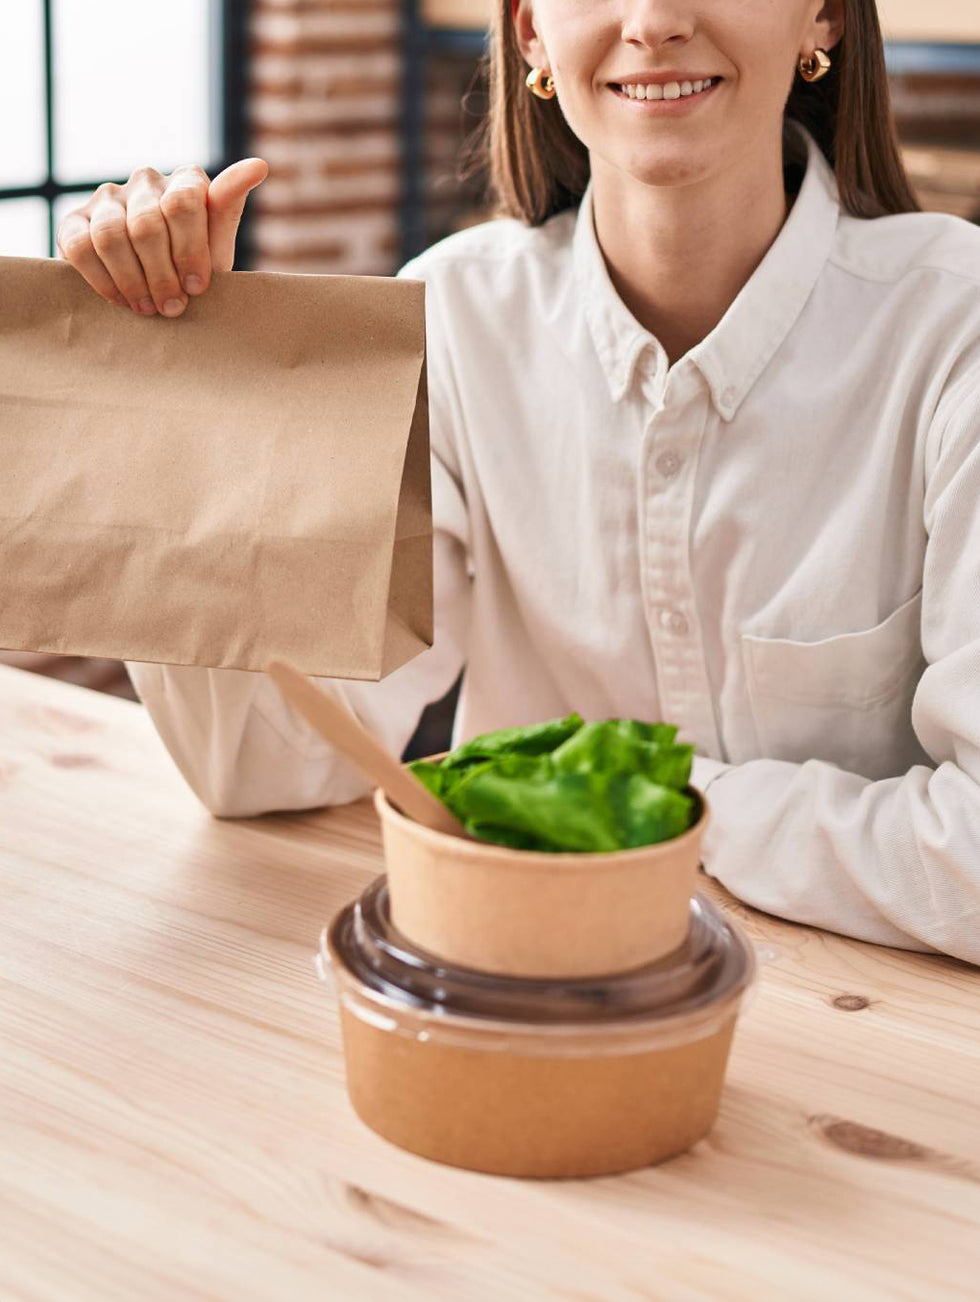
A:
337, 724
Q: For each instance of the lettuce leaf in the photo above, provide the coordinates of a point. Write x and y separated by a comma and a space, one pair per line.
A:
606, 748
531, 739
566, 785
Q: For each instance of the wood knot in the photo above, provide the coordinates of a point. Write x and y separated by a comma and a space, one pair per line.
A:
865, 1141
851, 1003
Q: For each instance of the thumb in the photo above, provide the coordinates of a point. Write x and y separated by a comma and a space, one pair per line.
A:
226, 202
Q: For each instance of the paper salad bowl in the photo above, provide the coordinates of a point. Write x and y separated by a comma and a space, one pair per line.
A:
531, 1077
528, 913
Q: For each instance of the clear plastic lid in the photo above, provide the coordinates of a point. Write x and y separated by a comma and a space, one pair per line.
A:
384, 978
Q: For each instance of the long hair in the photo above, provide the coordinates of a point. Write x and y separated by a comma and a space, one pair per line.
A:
536, 166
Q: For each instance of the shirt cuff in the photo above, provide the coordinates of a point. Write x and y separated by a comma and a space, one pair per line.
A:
704, 770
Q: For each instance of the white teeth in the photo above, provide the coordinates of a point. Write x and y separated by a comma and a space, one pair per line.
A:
672, 90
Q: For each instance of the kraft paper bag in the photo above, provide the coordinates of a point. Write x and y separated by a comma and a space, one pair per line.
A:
247, 481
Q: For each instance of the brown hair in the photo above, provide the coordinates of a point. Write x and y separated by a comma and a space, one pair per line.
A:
536, 166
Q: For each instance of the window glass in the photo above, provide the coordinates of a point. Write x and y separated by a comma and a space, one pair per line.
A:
133, 85
22, 151
24, 228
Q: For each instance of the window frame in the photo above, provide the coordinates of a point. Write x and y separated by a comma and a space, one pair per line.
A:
229, 36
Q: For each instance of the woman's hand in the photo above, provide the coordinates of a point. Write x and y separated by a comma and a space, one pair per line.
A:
150, 243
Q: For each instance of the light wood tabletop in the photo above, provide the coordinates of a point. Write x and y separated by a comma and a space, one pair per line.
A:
174, 1123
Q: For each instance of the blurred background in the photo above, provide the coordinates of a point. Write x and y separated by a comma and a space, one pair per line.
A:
362, 109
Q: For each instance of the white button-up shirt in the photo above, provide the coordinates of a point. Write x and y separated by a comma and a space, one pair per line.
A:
773, 543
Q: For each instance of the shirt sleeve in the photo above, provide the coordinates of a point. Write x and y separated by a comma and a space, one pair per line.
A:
243, 750
894, 861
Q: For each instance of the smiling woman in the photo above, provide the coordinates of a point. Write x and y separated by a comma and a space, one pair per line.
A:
539, 162
705, 448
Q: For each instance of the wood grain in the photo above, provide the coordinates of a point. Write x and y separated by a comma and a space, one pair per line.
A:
174, 1125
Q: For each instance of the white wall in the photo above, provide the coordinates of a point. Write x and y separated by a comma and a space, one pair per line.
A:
930, 20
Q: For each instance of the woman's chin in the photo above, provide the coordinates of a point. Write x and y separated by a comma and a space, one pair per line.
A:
666, 172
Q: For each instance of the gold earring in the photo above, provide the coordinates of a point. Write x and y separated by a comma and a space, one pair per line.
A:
544, 89
814, 66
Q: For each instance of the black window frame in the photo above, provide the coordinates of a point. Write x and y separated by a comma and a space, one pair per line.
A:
234, 19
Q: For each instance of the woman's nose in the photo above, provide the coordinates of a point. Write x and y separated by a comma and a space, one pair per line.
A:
655, 22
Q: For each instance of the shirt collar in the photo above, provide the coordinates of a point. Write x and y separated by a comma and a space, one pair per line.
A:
733, 356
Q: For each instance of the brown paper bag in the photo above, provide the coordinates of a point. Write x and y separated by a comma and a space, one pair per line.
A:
247, 481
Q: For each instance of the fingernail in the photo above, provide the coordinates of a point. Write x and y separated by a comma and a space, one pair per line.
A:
173, 307
193, 284
147, 306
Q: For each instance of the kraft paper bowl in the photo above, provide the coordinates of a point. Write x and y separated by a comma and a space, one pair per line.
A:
527, 913
522, 1077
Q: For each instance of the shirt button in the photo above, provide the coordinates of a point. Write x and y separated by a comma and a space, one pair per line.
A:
728, 395
668, 463
674, 620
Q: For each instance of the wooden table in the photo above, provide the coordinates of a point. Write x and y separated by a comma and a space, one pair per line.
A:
174, 1125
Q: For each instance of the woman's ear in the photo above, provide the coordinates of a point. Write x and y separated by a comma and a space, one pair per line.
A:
828, 24
528, 41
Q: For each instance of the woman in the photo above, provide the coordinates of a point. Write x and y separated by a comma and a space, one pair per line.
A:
705, 422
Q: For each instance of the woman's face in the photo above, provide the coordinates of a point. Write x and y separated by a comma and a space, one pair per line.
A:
593, 48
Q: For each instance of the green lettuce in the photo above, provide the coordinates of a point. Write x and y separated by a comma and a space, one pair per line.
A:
568, 785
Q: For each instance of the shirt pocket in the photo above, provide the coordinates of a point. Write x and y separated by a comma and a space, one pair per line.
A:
845, 699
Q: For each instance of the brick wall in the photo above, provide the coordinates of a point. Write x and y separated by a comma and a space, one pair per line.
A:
325, 84
324, 111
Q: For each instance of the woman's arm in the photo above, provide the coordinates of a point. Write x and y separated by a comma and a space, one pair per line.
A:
895, 861
244, 751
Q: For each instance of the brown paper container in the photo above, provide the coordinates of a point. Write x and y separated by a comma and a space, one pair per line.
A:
490, 1089
523, 913
536, 1115
248, 481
